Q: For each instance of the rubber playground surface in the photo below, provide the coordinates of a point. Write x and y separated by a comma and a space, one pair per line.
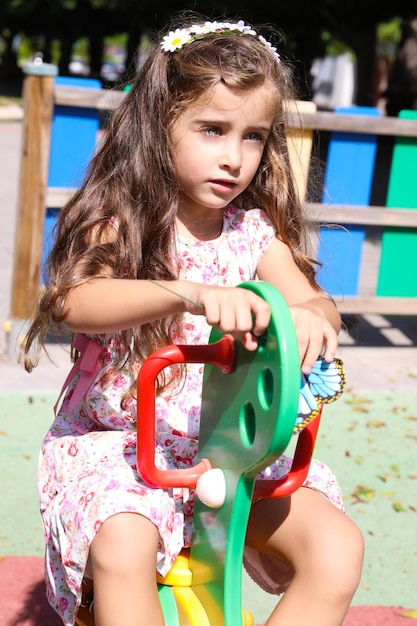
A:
368, 438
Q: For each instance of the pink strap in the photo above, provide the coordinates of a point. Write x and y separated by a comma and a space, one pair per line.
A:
88, 364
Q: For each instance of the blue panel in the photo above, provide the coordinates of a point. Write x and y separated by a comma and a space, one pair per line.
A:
73, 141
74, 136
348, 180
340, 253
48, 237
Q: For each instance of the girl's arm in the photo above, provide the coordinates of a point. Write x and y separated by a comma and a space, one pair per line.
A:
317, 321
106, 305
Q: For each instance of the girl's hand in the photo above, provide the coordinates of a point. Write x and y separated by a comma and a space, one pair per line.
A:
316, 335
233, 310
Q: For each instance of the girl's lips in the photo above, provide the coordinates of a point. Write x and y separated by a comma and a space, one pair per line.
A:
223, 185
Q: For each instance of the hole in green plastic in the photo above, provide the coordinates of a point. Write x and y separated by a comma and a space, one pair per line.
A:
262, 341
265, 388
247, 424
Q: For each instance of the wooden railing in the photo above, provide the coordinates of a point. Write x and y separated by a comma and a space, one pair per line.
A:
43, 98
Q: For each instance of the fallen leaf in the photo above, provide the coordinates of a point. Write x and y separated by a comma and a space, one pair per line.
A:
412, 614
358, 401
362, 493
397, 506
376, 424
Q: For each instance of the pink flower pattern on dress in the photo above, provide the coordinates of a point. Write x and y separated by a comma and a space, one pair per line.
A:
87, 464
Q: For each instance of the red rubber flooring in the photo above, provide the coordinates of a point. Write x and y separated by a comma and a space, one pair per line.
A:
23, 602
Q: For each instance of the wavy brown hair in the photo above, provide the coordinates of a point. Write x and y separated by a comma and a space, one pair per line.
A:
132, 180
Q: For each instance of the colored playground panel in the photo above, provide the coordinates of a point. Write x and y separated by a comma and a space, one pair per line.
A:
348, 180
73, 141
397, 274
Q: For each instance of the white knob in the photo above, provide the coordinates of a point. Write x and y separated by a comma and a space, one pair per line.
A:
211, 488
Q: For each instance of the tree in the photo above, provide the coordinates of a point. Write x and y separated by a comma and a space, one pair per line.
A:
305, 23
402, 86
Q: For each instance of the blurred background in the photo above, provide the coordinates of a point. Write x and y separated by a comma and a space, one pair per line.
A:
361, 52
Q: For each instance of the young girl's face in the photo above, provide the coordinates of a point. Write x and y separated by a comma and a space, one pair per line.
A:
218, 143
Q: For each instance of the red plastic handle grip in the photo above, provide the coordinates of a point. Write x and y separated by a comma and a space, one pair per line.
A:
299, 469
223, 355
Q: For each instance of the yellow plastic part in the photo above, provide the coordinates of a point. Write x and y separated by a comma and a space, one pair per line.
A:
247, 618
202, 610
190, 610
180, 574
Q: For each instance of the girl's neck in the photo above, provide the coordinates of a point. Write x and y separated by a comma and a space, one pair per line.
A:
200, 229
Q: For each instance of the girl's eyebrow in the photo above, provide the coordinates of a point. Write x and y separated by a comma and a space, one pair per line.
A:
222, 122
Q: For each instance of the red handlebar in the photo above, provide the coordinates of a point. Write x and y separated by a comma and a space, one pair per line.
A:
299, 468
223, 355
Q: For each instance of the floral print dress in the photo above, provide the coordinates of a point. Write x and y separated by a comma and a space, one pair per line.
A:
87, 466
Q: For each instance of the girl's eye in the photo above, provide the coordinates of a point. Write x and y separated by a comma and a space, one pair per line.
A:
256, 137
212, 130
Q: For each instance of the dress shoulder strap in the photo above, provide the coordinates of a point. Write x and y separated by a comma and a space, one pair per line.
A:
88, 363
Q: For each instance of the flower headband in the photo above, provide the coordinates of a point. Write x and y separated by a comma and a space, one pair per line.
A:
178, 38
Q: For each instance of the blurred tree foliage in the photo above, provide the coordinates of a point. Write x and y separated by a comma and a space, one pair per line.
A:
308, 28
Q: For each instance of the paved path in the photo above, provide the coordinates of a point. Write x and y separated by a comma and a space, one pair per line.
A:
369, 437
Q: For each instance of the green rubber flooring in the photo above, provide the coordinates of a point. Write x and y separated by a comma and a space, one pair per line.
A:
369, 440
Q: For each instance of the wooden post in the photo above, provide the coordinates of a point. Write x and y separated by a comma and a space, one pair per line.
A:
38, 102
300, 143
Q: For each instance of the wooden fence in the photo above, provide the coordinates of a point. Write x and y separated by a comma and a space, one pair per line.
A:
353, 139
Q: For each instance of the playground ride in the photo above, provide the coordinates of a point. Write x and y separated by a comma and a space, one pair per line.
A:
249, 410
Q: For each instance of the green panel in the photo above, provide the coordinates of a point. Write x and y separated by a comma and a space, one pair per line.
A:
397, 273
168, 604
247, 421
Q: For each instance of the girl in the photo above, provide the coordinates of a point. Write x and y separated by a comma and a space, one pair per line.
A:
190, 194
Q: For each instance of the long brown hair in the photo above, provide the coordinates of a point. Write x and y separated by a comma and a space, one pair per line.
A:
131, 181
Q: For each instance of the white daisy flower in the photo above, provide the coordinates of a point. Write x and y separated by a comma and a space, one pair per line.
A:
218, 26
202, 29
268, 45
240, 26
175, 39
249, 31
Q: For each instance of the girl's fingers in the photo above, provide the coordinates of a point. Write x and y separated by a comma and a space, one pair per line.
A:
316, 337
237, 311
249, 341
262, 318
311, 355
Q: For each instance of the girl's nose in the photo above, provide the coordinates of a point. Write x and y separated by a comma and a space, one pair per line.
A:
232, 155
